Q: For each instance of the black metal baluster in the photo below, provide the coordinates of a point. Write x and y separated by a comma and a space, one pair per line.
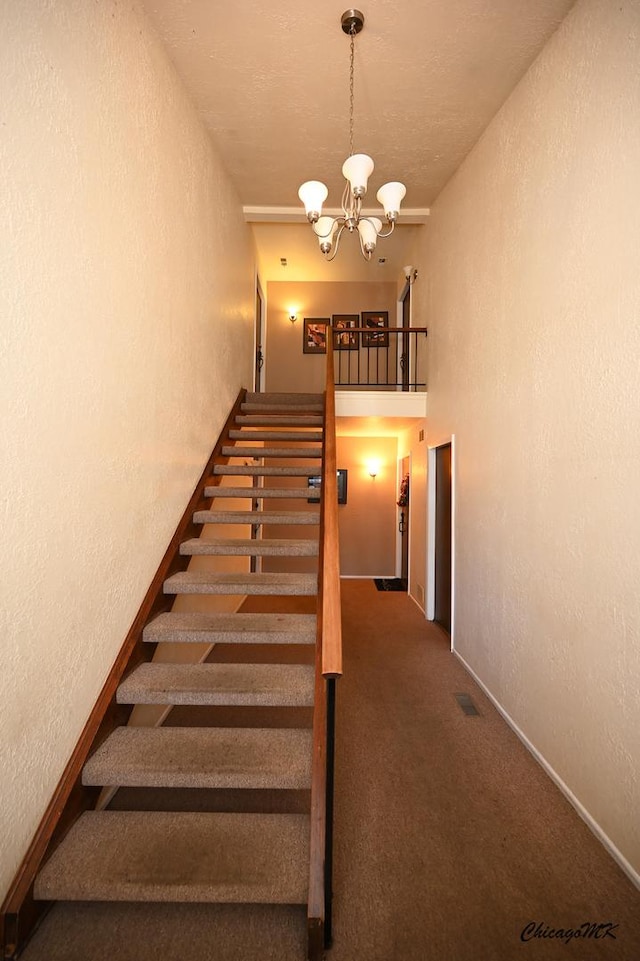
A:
328, 859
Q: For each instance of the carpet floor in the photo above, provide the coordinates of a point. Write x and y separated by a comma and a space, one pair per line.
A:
449, 838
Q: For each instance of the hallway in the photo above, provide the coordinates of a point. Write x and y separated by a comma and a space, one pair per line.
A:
450, 839
454, 838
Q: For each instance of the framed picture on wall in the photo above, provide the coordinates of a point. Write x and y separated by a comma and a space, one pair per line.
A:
314, 335
342, 338
375, 319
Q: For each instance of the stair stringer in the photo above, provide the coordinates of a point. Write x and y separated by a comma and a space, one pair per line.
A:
20, 912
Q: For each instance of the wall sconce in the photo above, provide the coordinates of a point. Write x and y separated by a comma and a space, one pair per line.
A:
373, 468
410, 274
292, 315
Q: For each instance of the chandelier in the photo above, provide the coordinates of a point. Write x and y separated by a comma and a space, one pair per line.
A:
356, 170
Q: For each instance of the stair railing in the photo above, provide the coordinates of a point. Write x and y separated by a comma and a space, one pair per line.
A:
391, 358
328, 667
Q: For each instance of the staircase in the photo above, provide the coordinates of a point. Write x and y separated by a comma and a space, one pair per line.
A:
170, 853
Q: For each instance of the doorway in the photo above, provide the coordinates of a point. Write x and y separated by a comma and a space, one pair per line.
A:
441, 548
258, 339
405, 358
404, 498
442, 538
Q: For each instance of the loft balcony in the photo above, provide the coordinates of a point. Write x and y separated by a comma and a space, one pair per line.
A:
380, 359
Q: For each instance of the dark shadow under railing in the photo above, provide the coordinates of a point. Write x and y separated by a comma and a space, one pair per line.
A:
380, 357
328, 667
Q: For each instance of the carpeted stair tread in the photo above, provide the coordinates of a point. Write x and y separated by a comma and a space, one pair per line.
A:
282, 408
293, 452
256, 517
265, 398
180, 856
258, 493
285, 435
282, 420
267, 547
289, 685
207, 582
202, 757
232, 628
258, 470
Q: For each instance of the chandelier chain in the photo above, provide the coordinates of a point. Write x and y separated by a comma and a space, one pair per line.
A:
352, 34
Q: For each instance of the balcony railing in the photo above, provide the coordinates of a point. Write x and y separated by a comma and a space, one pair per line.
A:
380, 358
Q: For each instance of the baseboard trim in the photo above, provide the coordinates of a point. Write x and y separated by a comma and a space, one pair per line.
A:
588, 819
417, 603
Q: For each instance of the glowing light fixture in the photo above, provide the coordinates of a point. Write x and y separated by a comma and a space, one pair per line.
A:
356, 171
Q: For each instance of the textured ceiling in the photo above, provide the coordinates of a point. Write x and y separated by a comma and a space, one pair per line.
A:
271, 81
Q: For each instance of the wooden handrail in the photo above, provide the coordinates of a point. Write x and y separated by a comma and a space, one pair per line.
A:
328, 667
375, 330
331, 616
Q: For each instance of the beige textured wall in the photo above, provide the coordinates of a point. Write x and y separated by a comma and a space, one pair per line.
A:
286, 366
410, 445
126, 280
368, 519
532, 295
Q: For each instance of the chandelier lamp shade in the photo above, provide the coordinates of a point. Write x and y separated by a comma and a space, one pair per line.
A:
356, 171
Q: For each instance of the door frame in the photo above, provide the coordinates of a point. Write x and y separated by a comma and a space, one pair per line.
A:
259, 336
400, 474
431, 531
403, 339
